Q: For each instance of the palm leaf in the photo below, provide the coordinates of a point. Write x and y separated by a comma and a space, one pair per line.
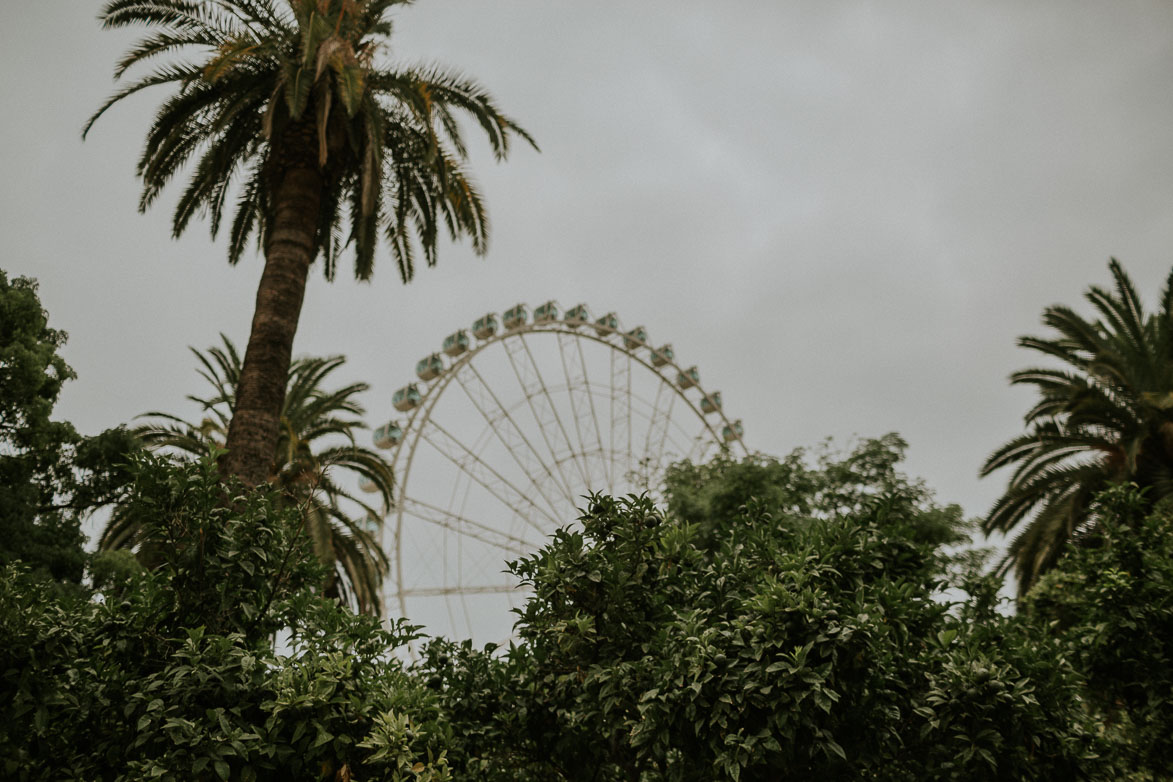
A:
1100, 418
318, 444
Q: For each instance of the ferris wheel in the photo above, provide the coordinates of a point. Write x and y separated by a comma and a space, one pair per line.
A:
503, 434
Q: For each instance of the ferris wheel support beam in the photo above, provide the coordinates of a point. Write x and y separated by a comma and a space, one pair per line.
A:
658, 428
582, 402
506, 430
510, 544
592, 458
541, 404
492, 589
484, 474
579, 462
665, 427
698, 449
620, 413
575, 396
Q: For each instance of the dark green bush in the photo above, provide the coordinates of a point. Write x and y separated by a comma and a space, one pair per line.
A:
1111, 601
173, 674
800, 637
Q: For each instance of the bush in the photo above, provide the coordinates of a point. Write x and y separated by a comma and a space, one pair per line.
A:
765, 644
1111, 601
50, 476
173, 673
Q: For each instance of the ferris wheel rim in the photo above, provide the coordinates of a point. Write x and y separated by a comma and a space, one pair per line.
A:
420, 418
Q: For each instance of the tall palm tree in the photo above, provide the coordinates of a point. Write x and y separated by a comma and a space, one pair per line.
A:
316, 448
285, 106
1106, 417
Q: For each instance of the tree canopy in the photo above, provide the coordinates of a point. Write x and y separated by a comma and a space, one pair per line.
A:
1104, 416
50, 476
1112, 604
172, 673
317, 451
287, 109
794, 631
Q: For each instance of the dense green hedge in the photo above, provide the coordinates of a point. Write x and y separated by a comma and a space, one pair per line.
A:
173, 674
802, 637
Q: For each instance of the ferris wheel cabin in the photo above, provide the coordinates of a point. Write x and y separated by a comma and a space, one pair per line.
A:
546, 313
388, 435
662, 356
577, 316
515, 317
456, 343
485, 327
367, 485
711, 403
733, 431
406, 398
607, 324
430, 368
636, 338
688, 378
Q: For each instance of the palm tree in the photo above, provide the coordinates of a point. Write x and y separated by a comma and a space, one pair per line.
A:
285, 107
1104, 418
316, 447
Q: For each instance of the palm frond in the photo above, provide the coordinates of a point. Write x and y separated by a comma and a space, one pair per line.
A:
1100, 418
317, 446
245, 70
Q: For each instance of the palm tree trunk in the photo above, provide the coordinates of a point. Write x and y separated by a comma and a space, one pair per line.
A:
289, 251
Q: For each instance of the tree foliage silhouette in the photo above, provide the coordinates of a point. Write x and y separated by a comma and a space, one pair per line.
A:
1104, 417
288, 109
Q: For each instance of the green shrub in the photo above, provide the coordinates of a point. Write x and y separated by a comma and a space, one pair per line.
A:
799, 637
173, 674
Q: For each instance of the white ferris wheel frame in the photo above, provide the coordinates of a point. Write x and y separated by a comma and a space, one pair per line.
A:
419, 425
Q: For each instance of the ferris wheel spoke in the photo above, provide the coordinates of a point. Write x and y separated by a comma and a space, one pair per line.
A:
541, 405
582, 402
699, 445
506, 430
580, 455
620, 413
466, 527
658, 428
486, 589
627, 403
663, 443
620, 422
492, 481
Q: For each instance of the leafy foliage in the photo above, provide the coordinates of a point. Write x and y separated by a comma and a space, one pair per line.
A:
1105, 417
769, 646
820, 483
316, 446
173, 674
1113, 604
258, 80
287, 108
50, 476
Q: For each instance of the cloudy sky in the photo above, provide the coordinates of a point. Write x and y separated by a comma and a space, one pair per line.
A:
843, 212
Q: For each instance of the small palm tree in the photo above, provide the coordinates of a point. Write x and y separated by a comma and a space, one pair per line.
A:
315, 448
285, 109
1104, 418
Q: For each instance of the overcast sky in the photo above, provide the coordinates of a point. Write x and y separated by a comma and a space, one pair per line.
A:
843, 212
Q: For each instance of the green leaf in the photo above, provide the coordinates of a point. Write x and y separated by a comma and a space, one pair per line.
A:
298, 83
351, 83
